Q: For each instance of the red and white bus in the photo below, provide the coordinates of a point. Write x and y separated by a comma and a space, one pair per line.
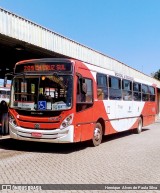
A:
65, 100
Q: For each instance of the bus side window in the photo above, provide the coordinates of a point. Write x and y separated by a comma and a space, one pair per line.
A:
127, 90
80, 94
136, 91
115, 92
84, 93
152, 93
102, 86
145, 93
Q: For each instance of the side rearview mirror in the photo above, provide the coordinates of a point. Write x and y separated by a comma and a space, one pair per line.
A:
5, 81
84, 88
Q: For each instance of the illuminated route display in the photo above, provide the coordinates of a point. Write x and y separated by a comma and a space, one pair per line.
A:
41, 67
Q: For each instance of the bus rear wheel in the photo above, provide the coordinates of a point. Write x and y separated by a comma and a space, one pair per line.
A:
139, 128
97, 134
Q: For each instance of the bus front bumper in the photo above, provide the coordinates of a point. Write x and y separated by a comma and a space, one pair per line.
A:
51, 136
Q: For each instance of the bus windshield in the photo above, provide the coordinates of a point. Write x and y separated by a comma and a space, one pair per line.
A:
42, 92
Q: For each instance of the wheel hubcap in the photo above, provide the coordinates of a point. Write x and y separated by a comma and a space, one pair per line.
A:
139, 126
97, 134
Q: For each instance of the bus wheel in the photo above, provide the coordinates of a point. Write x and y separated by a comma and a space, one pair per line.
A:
97, 135
139, 128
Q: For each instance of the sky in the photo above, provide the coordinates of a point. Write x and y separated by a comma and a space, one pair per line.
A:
126, 30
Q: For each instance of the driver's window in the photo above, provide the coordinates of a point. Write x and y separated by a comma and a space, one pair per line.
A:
84, 93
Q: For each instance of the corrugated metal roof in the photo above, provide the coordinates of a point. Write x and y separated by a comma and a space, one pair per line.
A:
21, 29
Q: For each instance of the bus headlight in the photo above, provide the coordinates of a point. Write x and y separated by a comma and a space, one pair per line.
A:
12, 120
67, 121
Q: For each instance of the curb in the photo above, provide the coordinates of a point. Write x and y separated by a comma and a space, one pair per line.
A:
4, 137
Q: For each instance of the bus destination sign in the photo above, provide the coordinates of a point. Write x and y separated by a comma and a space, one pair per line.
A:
41, 67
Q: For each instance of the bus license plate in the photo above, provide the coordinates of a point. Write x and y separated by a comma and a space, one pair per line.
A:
36, 134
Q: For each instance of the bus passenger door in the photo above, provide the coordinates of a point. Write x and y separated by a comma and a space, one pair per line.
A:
84, 110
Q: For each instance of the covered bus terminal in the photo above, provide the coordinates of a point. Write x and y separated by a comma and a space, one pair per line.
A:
22, 39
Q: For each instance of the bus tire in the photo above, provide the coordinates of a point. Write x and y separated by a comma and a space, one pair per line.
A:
97, 134
139, 128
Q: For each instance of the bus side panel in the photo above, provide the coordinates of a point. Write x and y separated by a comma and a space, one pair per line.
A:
108, 128
135, 125
115, 123
149, 113
77, 133
87, 131
83, 131
147, 120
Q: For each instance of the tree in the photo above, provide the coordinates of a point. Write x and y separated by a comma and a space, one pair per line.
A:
156, 75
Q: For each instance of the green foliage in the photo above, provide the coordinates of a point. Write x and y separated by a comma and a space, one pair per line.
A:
157, 75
